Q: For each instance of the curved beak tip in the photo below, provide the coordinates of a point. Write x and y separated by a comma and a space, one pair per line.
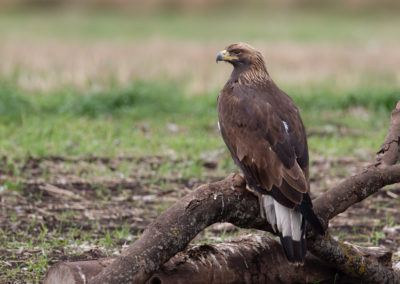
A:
220, 57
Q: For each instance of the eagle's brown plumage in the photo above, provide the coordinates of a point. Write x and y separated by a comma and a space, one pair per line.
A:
265, 135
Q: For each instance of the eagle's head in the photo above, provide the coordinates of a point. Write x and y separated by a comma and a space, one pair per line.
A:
241, 54
248, 63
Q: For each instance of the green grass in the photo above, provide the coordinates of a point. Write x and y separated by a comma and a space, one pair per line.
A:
133, 120
150, 118
266, 24
42, 243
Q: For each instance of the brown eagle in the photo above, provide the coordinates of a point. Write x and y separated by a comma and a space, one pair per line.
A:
263, 130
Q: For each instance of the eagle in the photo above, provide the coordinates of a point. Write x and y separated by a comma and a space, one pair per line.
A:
262, 129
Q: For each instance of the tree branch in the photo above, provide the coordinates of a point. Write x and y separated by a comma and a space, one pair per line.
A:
353, 190
229, 201
247, 258
389, 152
378, 174
350, 260
224, 201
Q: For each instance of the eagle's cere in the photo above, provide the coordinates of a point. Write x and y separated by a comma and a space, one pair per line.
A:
265, 135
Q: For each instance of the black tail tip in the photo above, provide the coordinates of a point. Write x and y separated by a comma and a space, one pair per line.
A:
295, 251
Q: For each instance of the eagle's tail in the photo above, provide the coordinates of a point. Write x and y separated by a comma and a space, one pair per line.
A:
292, 232
291, 226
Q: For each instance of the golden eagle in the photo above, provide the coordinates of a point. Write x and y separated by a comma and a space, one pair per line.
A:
263, 130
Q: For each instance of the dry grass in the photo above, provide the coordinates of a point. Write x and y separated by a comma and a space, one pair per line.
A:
46, 65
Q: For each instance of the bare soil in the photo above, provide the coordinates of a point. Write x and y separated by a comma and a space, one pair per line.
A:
94, 195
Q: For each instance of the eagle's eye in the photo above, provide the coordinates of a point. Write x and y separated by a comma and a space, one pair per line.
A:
235, 52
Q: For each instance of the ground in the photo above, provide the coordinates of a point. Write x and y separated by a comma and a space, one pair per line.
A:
107, 119
93, 207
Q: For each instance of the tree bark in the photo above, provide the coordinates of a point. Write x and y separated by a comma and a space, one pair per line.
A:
347, 259
78, 272
229, 201
389, 152
353, 190
246, 259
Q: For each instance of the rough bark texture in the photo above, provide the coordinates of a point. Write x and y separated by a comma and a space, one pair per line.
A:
349, 260
226, 200
229, 201
76, 272
247, 259
378, 174
389, 152
354, 189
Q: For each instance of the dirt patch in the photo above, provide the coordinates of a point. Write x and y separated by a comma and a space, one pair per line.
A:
74, 209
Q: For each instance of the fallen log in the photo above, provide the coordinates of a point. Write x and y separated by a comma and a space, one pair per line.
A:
77, 272
229, 201
246, 259
226, 200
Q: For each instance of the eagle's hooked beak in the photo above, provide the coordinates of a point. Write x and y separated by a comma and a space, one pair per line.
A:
225, 56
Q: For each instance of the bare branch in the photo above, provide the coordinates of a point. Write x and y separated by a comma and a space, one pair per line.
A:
389, 152
229, 201
224, 201
247, 258
353, 190
78, 272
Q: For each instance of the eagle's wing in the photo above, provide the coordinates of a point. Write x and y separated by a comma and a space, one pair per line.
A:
266, 138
